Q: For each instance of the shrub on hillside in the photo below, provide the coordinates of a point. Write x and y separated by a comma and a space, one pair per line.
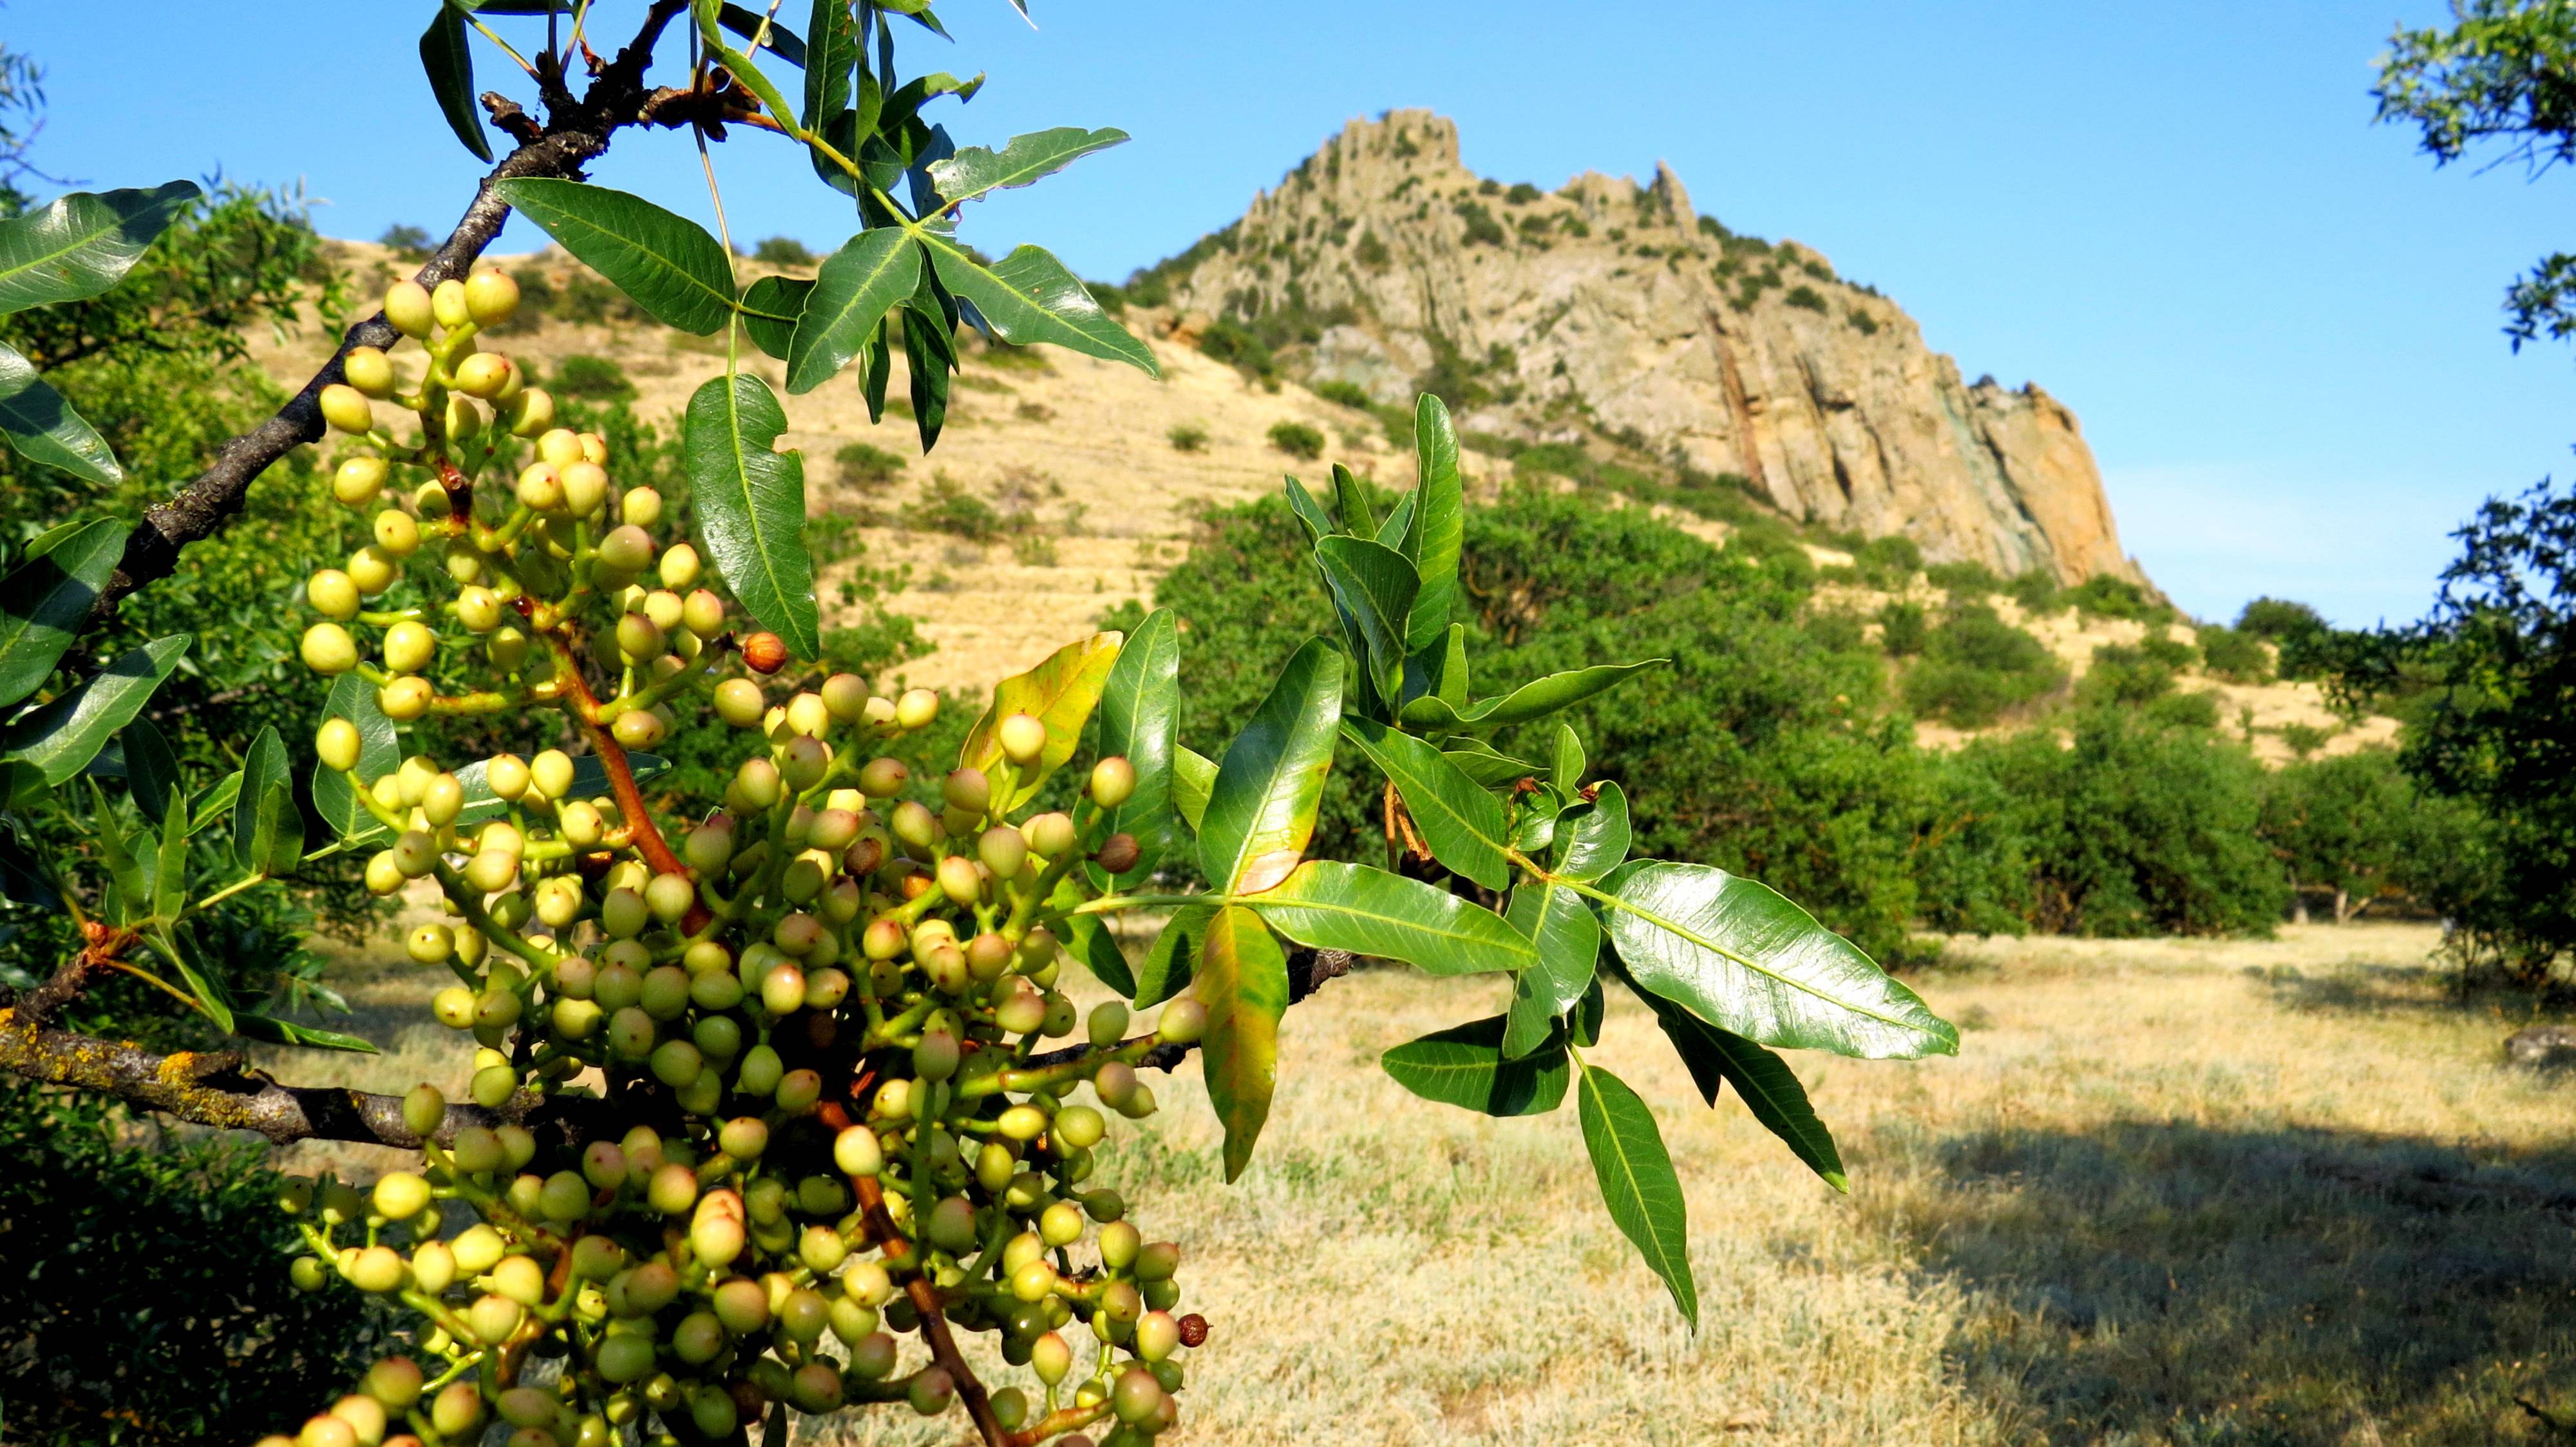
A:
1964, 580
594, 379
1901, 629
2037, 592
2104, 596
2234, 654
1187, 437
1297, 440
867, 464
1975, 666
1888, 562
2305, 640
782, 251
1348, 394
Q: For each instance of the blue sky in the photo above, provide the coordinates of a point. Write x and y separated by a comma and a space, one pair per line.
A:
2277, 321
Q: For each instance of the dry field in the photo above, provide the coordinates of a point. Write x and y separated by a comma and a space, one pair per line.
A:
2174, 1193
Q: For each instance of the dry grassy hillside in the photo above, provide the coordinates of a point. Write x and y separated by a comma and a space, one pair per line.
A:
1077, 458
2169, 1194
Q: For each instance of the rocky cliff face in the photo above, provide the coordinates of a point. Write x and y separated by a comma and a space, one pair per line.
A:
1610, 313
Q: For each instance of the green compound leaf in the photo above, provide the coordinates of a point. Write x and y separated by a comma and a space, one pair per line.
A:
855, 288
449, 63
83, 243
1461, 822
1438, 528
750, 501
44, 428
1560, 926
1029, 296
1637, 1180
1464, 1066
1140, 719
770, 307
59, 739
1742, 958
1193, 777
43, 601
1592, 839
975, 171
1243, 981
1261, 810
379, 753
1533, 700
1060, 693
1173, 956
1329, 905
287, 1032
833, 50
667, 263
1373, 586
1769, 1087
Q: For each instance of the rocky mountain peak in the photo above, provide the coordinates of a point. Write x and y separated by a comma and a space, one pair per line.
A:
1612, 314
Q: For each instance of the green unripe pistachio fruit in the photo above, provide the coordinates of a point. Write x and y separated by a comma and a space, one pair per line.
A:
566, 1197
1051, 1358
1108, 1024
712, 1412
346, 408
935, 1058
798, 1090
967, 790
676, 1063
491, 297
1023, 737
457, 1409
1113, 782
424, 1109
718, 1037
624, 1359
494, 1318
1119, 1244
400, 1195
630, 1032
627, 548
376, 1269
952, 1225
960, 880
357, 480
1079, 1126
430, 944
494, 1084
1137, 1395
743, 1138
1060, 1224
1021, 1011
394, 1382
856, 1150
1022, 1123
1183, 1022
485, 374
741, 1306
672, 1190
447, 303
1158, 1261
930, 1391
665, 993
328, 649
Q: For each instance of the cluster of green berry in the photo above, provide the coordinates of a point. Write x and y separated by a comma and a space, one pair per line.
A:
789, 1076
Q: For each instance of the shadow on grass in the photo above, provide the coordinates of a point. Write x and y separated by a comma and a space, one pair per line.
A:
2168, 1283
2424, 991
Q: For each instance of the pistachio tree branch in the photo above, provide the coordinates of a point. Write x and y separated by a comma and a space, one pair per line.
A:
574, 134
218, 1088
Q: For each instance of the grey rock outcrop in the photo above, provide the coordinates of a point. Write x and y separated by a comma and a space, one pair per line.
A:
1613, 310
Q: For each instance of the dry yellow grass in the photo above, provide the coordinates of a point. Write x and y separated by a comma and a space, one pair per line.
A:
2184, 1193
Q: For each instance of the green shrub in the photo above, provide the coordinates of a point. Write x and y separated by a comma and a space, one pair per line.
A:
782, 251
2104, 596
1975, 666
1888, 562
1482, 228
1902, 628
1187, 437
407, 242
1297, 440
2234, 654
1805, 296
2305, 640
945, 506
1236, 345
1348, 394
595, 379
867, 464
1963, 580
2133, 674
2132, 830
2037, 592
147, 1299
1521, 194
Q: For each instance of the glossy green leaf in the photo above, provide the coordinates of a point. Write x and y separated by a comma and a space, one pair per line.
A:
1637, 1180
1480, 762
449, 61
1770, 1089
129, 888
1464, 1066
1374, 586
1310, 511
1140, 717
151, 771
1193, 777
1173, 955
1087, 938
1439, 525
60, 739
1592, 839
750, 501
170, 871
43, 601
379, 753
879, 370
208, 988
770, 307
1261, 810
83, 243
1533, 700
214, 802
287, 1032
1560, 927
44, 428
1744, 959
1565, 767
1399, 520
855, 288
1329, 905
1060, 693
667, 263
834, 49
1351, 504
975, 171
23, 878
261, 834
927, 363
1461, 822
1029, 296
748, 72
1243, 981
